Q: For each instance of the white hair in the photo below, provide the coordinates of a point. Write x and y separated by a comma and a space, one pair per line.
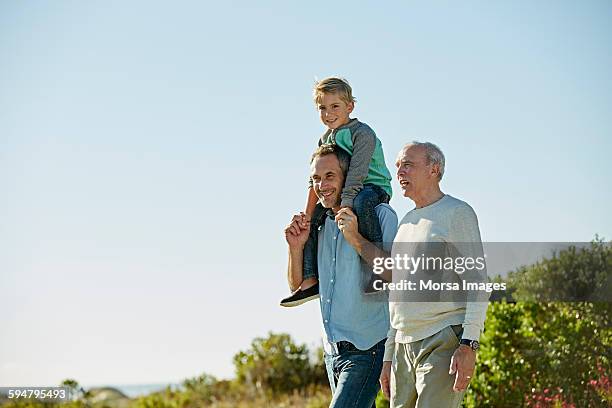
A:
433, 155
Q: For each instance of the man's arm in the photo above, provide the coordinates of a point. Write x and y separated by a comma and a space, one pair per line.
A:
385, 373
348, 224
311, 202
296, 236
294, 269
465, 235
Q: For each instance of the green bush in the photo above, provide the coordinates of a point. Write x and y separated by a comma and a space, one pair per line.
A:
533, 349
533, 353
545, 353
571, 275
381, 401
276, 365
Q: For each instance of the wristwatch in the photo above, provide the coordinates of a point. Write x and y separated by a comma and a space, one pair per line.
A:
473, 344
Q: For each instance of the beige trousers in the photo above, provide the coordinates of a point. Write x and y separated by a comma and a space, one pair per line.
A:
419, 372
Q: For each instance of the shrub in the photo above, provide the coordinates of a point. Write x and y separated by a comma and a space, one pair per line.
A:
275, 365
545, 353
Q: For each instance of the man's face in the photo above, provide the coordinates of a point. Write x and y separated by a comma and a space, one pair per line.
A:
327, 180
334, 111
413, 172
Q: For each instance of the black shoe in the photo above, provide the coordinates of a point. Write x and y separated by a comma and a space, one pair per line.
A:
301, 296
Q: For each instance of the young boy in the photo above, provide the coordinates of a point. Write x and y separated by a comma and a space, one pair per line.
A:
367, 184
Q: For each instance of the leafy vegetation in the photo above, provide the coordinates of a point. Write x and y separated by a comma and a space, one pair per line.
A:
533, 353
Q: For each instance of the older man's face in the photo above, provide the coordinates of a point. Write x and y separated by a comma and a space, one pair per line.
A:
413, 172
327, 180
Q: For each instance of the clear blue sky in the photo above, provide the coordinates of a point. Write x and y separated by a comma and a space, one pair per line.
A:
152, 152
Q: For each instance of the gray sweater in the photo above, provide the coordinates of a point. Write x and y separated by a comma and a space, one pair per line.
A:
448, 221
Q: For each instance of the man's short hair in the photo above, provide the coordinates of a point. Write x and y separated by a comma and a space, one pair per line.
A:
433, 155
333, 85
326, 149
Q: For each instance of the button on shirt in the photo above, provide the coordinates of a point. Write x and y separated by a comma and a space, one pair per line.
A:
347, 313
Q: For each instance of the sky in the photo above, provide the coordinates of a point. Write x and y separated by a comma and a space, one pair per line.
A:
151, 154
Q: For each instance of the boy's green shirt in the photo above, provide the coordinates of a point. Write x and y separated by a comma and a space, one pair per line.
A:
367, 159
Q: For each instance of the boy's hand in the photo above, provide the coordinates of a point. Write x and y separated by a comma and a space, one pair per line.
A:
296, 235
305, 220
347, 223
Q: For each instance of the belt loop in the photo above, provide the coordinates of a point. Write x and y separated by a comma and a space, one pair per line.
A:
335, 348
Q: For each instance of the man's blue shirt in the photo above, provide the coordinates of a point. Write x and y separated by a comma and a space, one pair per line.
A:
348, 314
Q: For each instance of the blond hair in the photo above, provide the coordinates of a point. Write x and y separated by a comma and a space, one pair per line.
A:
333, 85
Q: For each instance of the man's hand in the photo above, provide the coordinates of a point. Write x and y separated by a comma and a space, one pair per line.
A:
385, 379
462, 363
296, 233
347, 223
305, 220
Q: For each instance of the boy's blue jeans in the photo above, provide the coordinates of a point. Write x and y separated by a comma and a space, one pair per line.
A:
353, 375
369, 225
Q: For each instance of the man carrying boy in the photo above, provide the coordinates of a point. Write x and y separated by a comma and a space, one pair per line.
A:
368, 181
355, 325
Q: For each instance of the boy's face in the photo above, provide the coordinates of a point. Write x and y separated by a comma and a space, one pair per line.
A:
334, 111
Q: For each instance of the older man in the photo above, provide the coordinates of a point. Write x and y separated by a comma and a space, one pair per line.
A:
355, 324
431, 349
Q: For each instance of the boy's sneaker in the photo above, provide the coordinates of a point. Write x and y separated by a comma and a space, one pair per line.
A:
301, 296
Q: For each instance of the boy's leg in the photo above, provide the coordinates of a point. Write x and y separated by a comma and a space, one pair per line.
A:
310, 267
369, 226
364, 207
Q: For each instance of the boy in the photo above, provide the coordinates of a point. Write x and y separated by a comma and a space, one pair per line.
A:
368, 181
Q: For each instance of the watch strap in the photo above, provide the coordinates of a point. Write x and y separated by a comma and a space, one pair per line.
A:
473, 344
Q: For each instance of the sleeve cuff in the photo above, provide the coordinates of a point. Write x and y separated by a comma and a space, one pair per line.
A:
389, 349
346, 202
389, 353
471, 332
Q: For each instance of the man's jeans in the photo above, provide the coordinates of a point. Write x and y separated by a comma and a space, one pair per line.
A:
353, 375
364, 206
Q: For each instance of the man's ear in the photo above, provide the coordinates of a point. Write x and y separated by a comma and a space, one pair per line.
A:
435, 171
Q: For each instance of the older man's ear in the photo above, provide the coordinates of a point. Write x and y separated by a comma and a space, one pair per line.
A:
435, 171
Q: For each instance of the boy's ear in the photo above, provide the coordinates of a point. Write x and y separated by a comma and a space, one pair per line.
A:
351, 106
